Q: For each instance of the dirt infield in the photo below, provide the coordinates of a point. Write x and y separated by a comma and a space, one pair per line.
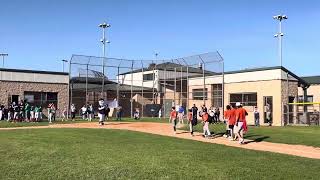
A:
166, 130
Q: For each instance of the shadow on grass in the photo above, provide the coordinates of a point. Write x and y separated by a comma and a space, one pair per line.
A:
256, 138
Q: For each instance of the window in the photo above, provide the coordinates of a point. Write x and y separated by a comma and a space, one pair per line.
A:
217, 95
309, 99
246, 99
41, 98
148, 77
197, 94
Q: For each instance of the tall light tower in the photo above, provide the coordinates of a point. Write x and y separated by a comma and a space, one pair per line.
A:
63, 62
279, 35
3, 55
103, 41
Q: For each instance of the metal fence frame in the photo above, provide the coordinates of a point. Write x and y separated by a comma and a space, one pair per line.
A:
209, 63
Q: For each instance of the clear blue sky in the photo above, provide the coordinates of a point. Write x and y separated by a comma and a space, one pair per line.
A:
38, 34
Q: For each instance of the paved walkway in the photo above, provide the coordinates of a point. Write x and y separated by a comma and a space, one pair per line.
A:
166, 130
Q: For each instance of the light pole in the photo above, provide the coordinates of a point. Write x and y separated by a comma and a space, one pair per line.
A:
103, 41
279, 35
3, 55
63, 62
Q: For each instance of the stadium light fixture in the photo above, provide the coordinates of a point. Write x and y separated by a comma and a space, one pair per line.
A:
279, 35
103, 41
3, 55
63, 62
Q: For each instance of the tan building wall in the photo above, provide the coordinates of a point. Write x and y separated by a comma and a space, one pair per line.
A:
262, 88
18, 88
277, 89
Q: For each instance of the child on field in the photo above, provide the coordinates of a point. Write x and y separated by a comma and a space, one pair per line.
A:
205, 121
190, 118
36, 113
64, 114
32, 114
256, 116
84, 112
173, 119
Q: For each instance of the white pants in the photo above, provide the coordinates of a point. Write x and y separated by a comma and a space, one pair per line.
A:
191, 127
101, 117
9, 116
15, 115
50, 117
180, 117
206, 129
32, 115
89, 116
1, 114
36, 115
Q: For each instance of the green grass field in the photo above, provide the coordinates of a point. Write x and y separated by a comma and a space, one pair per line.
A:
306, 135
116, 154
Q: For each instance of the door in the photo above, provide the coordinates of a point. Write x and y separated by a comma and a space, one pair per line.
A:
15, 98
268, 109
291, 100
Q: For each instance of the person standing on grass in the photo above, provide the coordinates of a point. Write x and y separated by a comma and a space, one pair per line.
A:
173, 119
190, 121
10, 113
217, 114
27, 109
181, 114
211, 115
73, 111
64, 114
101, 112
16, 111
1, 112
107, 112
84, 112
119, 113
37, 113
89, 112
194, 112
241, 114
32, 114
205, 121
50, 113
54, 110
230, 118
256, 115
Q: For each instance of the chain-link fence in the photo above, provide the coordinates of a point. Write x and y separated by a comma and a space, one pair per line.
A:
150, 86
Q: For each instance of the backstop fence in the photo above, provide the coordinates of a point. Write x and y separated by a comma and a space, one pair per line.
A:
150, 86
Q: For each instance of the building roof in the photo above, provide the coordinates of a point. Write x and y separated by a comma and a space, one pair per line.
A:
301, 80
91, 80
108, 87
312, 79
33, 71
169, 66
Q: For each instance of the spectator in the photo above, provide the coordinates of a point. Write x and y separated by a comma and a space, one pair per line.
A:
256, 116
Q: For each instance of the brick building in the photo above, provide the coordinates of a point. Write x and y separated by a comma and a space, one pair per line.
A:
37, 87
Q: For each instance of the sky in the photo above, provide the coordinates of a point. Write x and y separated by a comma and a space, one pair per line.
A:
38, 34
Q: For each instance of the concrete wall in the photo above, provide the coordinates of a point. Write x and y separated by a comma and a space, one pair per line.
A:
33, 77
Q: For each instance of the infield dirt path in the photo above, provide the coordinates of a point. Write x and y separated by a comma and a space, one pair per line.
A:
166, 130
